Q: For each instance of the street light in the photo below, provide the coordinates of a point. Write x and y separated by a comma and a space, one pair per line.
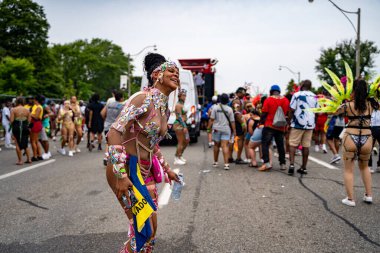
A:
129, 69
357, 53
291, 71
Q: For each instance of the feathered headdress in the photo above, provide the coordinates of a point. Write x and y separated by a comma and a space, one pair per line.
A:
339, 93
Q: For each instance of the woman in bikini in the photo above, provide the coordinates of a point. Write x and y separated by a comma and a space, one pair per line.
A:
66, 115
77, 121
133, 146
180, 128
20, 119
357, 140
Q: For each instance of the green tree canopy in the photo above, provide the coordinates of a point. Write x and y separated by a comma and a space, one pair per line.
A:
16, 76
23, 30
332, 58
88, 67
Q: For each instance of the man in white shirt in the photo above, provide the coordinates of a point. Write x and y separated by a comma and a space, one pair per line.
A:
302, 124
7, 124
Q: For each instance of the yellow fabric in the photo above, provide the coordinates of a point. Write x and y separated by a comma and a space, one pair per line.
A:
142, 210
34, 109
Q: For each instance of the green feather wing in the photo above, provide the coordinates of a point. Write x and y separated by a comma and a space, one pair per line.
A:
337, 82
350, 81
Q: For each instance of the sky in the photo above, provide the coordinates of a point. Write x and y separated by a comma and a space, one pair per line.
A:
250, 38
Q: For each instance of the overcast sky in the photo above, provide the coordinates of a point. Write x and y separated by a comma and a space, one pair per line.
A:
249, 38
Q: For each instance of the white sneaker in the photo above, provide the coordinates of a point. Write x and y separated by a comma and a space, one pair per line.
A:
298, 152
367, 199
77, 150
215, 164
371, 170
70, 153
316, 148
10, 146
45, 156
178, 161
226, 166
182, 159
54, 138
348, 202
62, 151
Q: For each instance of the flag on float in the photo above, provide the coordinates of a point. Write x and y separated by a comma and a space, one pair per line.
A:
144, 206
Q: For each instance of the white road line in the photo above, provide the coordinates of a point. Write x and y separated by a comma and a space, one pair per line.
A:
26, 169
164, 197
325, 164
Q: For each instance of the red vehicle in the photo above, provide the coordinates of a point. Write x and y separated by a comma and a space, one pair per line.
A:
204, 76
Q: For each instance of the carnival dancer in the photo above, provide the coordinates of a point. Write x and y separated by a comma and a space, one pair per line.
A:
180, 128
78, 118
135, 161
20, 119
66, 115
357, 140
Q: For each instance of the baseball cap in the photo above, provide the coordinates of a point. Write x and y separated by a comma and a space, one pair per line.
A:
275, 87
214, 98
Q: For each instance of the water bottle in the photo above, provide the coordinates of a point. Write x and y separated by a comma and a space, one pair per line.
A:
177, 187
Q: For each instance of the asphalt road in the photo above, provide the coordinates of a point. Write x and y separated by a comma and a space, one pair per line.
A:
67, 206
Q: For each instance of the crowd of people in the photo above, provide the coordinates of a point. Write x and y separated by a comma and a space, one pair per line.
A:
238, 123
32, 121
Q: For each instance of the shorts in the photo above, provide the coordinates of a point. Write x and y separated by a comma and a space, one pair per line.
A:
217, 136
247, 136
321, 121
43, 135
257, 135
300, 137
334, 134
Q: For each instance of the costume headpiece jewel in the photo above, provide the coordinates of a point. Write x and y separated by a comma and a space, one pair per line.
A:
164, 66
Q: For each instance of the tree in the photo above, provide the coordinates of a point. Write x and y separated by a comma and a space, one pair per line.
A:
23, 31
88, 67
16, 76
332, 58
290, 87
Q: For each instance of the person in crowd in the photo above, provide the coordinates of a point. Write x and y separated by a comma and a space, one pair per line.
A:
20, 119
240, 94
133, 145
36, 127
45, 132
247, 114
96, 123
78, 118
271, 131
241, 129
375, 130
6, 117
180, 128
223, 129
335, 127
66, 116
199, 82
110, 113
357, 140
214, 100
53, 120
319, 132
255, 135
112, 99
302, 124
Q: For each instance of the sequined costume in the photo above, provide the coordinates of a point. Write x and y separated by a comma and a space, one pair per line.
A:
144, 121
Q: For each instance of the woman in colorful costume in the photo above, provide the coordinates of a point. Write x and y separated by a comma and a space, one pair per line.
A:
356, 138
136, 164
180, 128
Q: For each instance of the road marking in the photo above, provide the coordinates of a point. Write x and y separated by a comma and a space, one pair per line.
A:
26, 169
164, 197
327, 165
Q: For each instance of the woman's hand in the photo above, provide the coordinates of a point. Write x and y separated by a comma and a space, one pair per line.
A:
122, 187
173, 176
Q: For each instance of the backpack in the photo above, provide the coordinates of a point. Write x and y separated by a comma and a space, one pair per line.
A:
279, 119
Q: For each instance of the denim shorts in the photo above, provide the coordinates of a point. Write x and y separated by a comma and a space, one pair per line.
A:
257, 134
217, 136
247, 136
